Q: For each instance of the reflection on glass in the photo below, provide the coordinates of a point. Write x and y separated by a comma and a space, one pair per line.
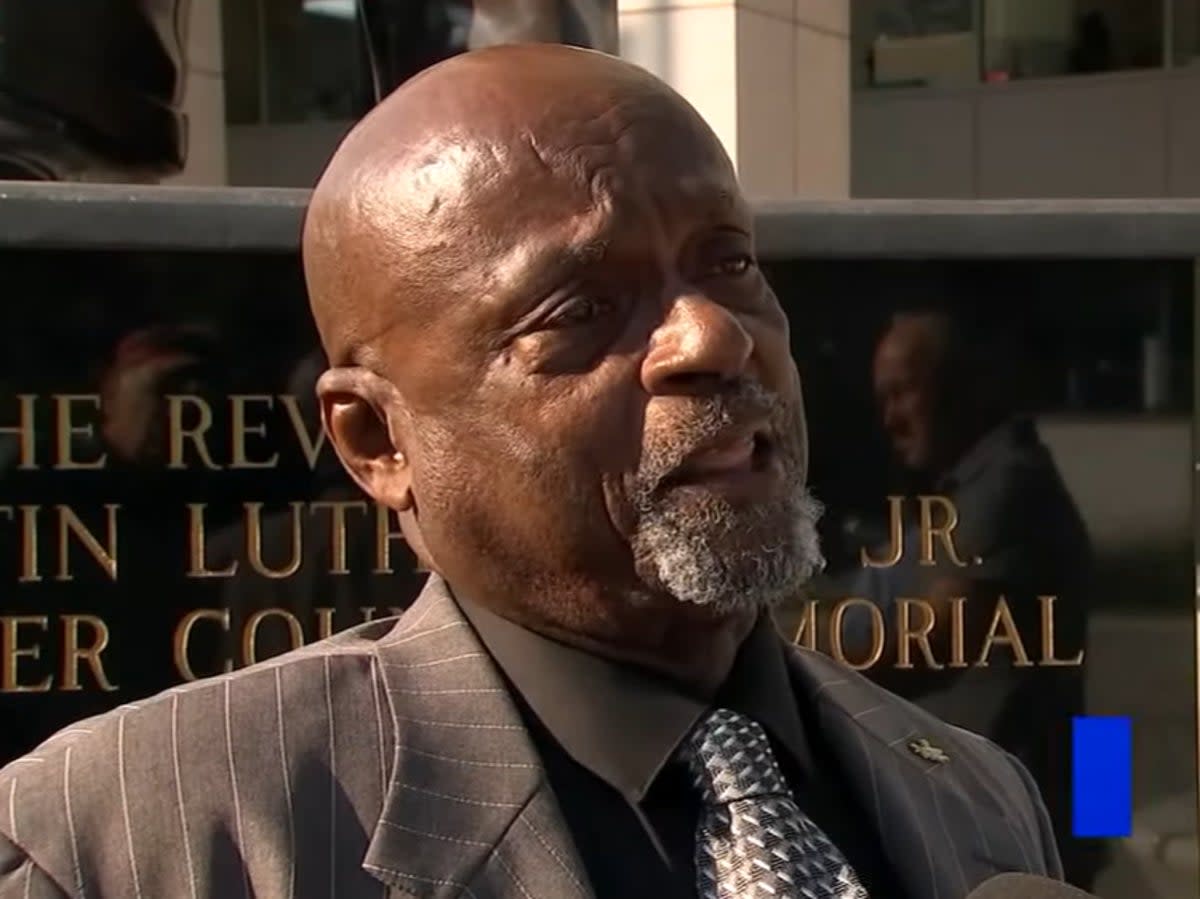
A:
899, 43
1003, 451
291, 61
92, 90
1185, 31
1046, 38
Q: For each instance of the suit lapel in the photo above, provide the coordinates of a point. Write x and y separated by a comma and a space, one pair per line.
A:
468, 810
941, 823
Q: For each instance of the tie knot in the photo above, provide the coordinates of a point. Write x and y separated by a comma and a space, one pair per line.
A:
730, 758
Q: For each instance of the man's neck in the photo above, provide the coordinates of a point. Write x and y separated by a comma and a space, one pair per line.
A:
695, 653
690, 645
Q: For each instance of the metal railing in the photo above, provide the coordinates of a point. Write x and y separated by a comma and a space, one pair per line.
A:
94, 216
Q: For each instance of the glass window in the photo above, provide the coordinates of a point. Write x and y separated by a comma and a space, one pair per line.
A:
899, 43
303, 60
1185, 32
294, 61
1047, 38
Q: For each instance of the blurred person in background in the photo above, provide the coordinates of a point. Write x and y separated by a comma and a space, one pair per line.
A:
947, 390
147, 366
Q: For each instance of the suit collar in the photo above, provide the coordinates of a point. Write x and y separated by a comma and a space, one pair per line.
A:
619, 722
624, 723
468, 810
944, 825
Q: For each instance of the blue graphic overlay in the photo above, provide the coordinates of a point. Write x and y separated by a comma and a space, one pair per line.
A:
1102, 776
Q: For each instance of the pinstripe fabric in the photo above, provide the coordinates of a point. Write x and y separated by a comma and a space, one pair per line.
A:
946, 826
390, 761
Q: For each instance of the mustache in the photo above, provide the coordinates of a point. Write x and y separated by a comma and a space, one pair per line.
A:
707, 419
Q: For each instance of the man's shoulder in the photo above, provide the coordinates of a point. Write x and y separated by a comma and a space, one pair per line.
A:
111, 801
286, 679
861, 699
192, 745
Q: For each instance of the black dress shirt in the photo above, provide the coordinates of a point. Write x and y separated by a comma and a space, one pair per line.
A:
608, 733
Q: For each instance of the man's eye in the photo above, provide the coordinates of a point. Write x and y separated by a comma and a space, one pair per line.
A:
578, 311
732, 266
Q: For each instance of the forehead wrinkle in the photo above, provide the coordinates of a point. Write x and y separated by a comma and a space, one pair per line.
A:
430, 236
597, 152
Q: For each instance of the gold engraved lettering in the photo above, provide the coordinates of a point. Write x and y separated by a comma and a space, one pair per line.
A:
943, 531
324, 622
1002, 620
197, 552
29, 542
877, 633
69, 523
66, 430
73, 653
920, 635
240, 429
254, 547
183, 636
25, 431
1048, 656
806, 631
896, 529
337, 531
11, 652
958, 656
178, 432
384, 536
310, 444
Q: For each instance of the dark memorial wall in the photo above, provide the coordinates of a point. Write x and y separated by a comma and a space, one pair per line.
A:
1003, 448
171, 506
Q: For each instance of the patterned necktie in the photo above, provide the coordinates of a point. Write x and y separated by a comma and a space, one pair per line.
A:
752, 839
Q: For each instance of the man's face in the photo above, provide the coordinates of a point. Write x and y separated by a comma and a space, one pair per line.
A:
609, 401
904, 390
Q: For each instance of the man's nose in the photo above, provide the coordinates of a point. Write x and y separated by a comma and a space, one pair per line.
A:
701, 343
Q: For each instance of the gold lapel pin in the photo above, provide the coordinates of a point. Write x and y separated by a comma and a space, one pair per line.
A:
928, 751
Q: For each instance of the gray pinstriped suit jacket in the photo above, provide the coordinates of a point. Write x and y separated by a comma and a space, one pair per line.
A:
389, 761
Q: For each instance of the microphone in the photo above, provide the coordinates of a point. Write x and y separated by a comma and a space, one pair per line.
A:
1025, 886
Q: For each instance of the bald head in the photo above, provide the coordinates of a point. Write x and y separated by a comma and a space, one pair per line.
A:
555, 355
444, 170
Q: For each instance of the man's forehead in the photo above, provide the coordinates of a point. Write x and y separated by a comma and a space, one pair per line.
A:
510, 194
625, 142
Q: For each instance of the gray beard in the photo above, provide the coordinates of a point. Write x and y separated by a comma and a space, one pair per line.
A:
713, 555
706, 551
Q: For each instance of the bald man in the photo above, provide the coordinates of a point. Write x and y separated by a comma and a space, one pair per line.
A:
554, 355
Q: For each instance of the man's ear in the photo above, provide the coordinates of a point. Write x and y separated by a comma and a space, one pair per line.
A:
361, 413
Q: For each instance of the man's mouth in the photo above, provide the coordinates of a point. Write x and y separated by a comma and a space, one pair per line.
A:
737, 457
